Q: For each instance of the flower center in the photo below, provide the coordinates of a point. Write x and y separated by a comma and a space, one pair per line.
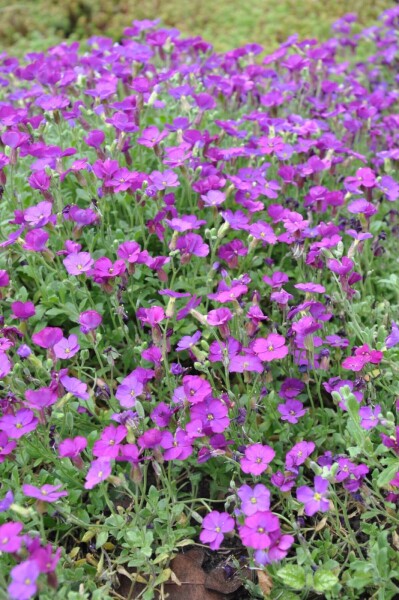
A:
217, 529
27, 581
253, 500
4, 540
270, 348
259, 460
210, 417
317, 496
19, 425
261, 530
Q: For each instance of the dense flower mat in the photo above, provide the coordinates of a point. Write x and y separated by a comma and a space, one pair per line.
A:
199, 290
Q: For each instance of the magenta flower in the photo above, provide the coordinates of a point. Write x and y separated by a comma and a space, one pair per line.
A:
77, 263
254, 499
89, 320
256, 459
23, 422
314, 288
213, 414
46, 493
369, 416
245, 363
278, 549
214, 526
9, 537
6, 446
23, 580
36, 240
5, 365
4, 278
109, 443
72, 447
67, 347
256, 530
314, 499
129, 251
41, 398
354, 363
47, 337
196, 388
291, 411
99, 471
298, 454
177, 447
23, 310
271, 348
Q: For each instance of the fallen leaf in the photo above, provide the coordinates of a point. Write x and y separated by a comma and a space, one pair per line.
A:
265, 583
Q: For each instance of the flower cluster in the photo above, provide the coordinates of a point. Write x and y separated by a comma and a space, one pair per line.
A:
198, 298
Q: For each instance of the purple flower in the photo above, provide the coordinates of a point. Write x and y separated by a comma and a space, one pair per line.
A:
314, 288
89, 320
245, 363
72, 447
298, 454
254, 499
177, 447
75, 386
77, 263
6, 502
4, 278
41, 398
393, 338
196, 389
35, 241
213, 414
46, 493
23, 580
128, 391
23, 310
67, 347
291, 411
5, 365
271, 348
108, 444
161, 415
278, 549
314, 499
23, 422
9, 537
6, 446
47, 337
255, 532
100, 470
256, 459
188, 341
369, 416
214, 526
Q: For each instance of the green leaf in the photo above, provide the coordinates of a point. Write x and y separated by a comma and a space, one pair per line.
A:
101, 539
387, 474
293, 576
324, 580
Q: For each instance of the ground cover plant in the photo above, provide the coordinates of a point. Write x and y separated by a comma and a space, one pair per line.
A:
199, 293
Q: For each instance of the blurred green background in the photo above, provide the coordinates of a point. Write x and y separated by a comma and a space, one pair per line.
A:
33, 25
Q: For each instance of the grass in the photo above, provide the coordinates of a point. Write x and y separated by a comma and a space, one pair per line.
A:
35, 24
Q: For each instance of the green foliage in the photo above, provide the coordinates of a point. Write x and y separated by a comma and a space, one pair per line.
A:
34, 24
